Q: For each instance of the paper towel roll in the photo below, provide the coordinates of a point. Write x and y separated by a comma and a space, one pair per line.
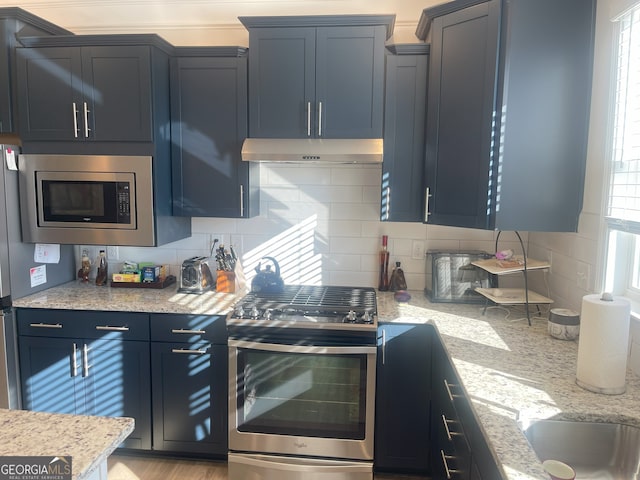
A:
603, 344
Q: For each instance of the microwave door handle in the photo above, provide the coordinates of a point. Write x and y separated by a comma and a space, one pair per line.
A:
310, 349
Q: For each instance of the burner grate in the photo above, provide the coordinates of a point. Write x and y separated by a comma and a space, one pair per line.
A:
307, 297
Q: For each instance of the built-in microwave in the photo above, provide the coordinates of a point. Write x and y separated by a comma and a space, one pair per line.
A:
88, 199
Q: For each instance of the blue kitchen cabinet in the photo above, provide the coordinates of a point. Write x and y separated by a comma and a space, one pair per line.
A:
209, 124
457, 442
403, 398
15, 22
317, 76
507, 123
189, 369
93, 89
404, 133
88, 363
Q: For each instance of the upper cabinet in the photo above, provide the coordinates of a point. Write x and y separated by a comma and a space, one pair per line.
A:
15, 22
209, 124
91, 88
404, 133
508, 112
317, 76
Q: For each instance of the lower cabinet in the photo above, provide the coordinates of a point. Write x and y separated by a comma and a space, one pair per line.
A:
168, 372
459, 450
89, 363
189, 376
403, 394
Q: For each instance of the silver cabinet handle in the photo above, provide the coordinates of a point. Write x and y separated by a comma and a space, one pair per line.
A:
449, 433
384, 346
86, 111
427, 196
109, 328
308, 119
187, 350
85, 360
448, 386
45, 325
448, 471
189, 332
75, 120
74, 364
319, 119
241, 200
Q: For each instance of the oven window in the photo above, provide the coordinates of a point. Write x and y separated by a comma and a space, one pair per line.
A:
310, 395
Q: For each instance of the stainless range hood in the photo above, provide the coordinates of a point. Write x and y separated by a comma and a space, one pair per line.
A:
312, 150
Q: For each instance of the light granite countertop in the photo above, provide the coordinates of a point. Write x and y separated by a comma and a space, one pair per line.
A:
88, 440
512, 372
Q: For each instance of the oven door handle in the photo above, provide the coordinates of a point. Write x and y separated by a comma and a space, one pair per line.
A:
312, 349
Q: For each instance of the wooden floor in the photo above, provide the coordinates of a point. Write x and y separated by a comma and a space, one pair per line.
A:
135, 467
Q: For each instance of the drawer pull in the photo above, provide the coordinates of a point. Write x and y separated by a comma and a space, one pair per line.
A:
46, 325
446, 423
448, 386
109, 328
448, 471
187, 350
188, 332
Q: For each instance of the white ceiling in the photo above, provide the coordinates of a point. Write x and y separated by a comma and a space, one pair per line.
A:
207, 22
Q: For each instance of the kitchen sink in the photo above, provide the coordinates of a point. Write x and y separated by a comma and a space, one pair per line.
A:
594, 450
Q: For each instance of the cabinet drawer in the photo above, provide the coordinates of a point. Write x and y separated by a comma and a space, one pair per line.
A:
83, 324
188, 328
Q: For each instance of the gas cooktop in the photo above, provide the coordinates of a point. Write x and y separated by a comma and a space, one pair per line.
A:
308, 306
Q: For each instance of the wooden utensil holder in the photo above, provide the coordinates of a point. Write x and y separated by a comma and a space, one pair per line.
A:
226, 281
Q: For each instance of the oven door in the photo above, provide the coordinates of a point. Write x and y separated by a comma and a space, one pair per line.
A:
302, 400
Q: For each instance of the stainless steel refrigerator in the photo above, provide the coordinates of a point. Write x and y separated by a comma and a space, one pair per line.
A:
16, 261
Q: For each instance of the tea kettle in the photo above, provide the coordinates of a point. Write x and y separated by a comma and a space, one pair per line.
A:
267, 281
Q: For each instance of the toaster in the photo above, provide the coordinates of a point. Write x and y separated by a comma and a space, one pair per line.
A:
195, 276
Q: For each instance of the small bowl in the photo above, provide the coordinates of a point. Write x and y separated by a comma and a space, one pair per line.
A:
558, 470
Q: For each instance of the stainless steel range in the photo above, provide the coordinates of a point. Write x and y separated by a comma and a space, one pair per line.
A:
302, 384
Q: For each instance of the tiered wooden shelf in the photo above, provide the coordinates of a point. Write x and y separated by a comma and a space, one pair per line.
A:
512, 296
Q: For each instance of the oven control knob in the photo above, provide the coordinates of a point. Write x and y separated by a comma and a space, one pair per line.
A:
255, 313
268, 314
351, 317
239, 311
366, 317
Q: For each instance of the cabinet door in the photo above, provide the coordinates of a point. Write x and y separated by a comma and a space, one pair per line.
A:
6, 119
404, 135
189, 397
282, 82
49, 93
350, 82
209, 108
117, 383
51, 374
403, 398
461, 99
117, 89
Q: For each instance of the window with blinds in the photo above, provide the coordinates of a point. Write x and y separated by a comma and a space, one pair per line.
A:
624, 191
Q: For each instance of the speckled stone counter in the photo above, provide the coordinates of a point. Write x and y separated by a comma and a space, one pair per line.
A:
511, 372
87, 296
88, 440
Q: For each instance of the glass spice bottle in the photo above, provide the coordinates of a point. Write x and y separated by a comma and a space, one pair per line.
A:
103, 269
85, 267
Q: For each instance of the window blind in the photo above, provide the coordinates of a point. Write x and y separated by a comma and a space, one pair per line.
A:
624, 190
